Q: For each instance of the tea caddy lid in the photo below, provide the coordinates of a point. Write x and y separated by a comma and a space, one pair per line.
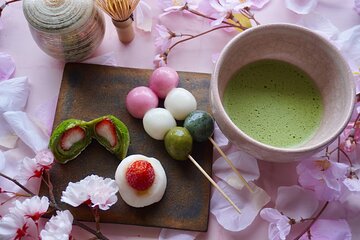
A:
57, 15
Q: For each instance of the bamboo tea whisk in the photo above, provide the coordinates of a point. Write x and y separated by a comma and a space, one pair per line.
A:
121, 12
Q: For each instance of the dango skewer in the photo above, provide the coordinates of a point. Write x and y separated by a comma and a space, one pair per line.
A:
201, 126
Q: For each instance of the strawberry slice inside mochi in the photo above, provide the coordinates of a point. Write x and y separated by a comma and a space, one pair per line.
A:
140, 175
106, 129
72, 136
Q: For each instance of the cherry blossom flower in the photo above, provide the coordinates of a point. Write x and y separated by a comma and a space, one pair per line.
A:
357, 6
34, 167
32, 208
301, 6
340, 230
7, 65
176, 5
160, 60
58, 227
164, 37
93, 191
323, 176
279, 226
13, 226
352, 182
225, 9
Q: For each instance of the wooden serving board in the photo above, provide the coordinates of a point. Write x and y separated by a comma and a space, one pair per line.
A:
90, 91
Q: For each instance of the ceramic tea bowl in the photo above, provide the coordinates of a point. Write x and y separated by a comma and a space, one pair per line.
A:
309, 52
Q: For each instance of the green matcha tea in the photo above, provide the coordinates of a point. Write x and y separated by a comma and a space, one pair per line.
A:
274, 102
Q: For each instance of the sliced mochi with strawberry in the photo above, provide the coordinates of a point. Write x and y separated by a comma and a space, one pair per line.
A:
69, 139
112, 133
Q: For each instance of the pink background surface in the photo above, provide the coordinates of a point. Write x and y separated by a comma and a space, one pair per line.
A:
45, 75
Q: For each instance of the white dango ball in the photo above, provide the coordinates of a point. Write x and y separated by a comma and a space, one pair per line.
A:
180, 102
157, 122
144, 197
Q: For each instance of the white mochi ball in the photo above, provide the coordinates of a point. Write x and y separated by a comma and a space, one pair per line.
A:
180, 102
157, 122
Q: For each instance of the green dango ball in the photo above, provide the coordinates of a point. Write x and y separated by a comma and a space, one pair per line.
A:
178, 143
200, 125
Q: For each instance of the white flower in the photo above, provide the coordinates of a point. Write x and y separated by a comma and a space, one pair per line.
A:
32, 208
163, 39
159, 60
34, 167
92, 190
58, 227
175, 5
279, 226
13, 226
44, 158
225, 8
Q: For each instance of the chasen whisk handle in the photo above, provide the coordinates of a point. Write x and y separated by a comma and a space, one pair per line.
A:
125, 30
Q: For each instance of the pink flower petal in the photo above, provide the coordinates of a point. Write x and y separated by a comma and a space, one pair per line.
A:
249, 203
59, 226
329, 230
246, 165
279, 226
301, 6
172, 234
27, 130
258, 4
7, 66
296, 202
349, 45
143, 16
320, 24
352, 184
357, 6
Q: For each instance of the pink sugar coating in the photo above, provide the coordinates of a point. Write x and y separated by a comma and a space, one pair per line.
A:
140, 100
162, 80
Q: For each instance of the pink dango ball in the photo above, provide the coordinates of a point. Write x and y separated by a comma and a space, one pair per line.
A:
140, 100
162, 80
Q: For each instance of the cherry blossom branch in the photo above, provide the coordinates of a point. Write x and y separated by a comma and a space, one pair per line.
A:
211, 18
166, 53
18, 184
307, 229
99, 235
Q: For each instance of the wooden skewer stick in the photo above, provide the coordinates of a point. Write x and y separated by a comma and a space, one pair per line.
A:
231, 164
213, 183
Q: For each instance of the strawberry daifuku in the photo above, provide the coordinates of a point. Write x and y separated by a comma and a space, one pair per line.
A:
142, 180
112, 133
68, 139
72, 136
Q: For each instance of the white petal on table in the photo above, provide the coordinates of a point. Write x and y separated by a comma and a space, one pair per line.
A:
249, 203
296, 202
7, 65
14, 94
329, 230
246, 164
2, 160
27, 130
349, 44
13, 97
107, 59
176, 234
301, 6
44, 115
320, 24
143, 16
219, 137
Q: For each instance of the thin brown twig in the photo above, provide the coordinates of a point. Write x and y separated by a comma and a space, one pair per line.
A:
17, 183
313, 221
195, 36
99, 235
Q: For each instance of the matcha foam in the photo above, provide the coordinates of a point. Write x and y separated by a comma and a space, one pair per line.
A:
274, 102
